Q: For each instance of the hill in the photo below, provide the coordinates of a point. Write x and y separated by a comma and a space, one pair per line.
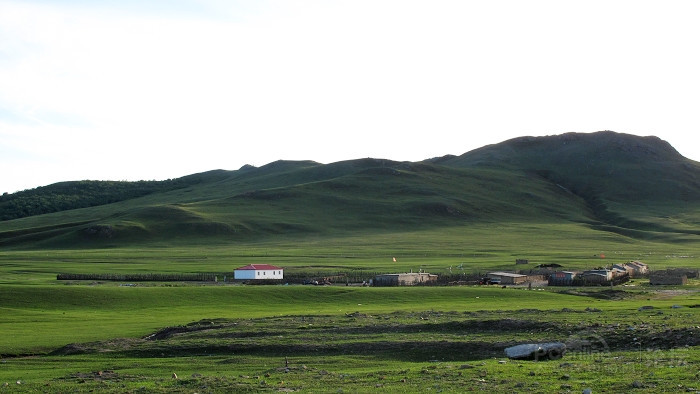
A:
640, 187
626, 181
613, 166
65, 196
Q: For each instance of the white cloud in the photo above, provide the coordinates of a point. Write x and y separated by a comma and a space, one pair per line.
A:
203, 85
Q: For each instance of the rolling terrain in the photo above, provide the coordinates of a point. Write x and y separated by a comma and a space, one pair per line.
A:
572, 200
639, 187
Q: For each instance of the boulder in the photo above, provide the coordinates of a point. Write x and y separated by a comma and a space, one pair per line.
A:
536, 351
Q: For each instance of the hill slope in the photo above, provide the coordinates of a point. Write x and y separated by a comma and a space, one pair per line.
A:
65, 196
627, 182
613, 166
640, 187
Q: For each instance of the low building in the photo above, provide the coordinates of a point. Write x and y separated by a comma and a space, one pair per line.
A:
507, 278
597, 276
258, 272
633, 268
667, 278
619, 272
562, 278
639, 268
405, 279
623, 267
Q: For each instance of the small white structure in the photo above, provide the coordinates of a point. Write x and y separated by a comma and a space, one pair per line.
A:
258, 272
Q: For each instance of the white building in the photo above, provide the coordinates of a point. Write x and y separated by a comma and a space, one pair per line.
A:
258, 271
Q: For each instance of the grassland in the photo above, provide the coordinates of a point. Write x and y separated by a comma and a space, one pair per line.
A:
568, 200
82, 336
32, 314
319, 339
477, 247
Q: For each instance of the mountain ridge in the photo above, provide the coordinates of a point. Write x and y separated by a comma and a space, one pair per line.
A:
636, 186
611, 163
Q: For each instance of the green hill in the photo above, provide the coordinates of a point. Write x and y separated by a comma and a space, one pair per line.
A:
65, 196
627, 182
640, 187
613, 166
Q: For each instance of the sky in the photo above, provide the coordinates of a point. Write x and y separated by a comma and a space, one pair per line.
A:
144, 90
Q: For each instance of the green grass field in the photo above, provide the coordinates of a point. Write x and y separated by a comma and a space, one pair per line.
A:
356, 339
568, 200
40, 315
430, 334
42, 318
478, 247
32, 314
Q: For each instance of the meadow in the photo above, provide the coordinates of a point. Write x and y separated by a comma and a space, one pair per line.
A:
320, 339
216, 337
475, 247
579, 201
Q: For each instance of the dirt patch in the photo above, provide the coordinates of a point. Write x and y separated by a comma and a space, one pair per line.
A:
169, 332
607, 294
505, 325
409, 350
113, 345
406, 336
643, 338
454, 327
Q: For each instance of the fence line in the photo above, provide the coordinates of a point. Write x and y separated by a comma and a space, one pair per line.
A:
146, 277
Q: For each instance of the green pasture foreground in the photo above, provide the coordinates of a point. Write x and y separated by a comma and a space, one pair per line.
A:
38, 319
618, 372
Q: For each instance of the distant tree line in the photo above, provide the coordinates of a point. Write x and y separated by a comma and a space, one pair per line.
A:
80, 194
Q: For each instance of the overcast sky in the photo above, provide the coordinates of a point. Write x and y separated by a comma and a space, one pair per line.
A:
131, 89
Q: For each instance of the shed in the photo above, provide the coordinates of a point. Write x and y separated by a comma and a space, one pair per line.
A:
616, 271
634, 268
597, 276
508, 278
405, 279
562, 278
638, 267
258, 272
667, 278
